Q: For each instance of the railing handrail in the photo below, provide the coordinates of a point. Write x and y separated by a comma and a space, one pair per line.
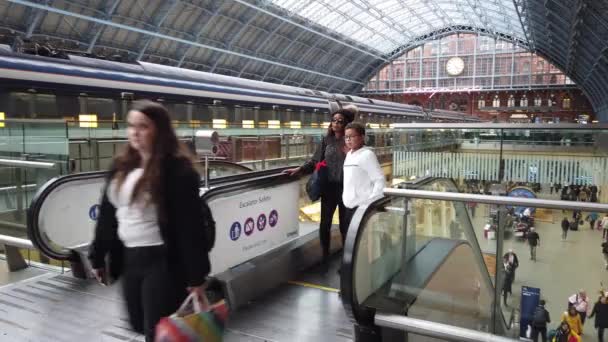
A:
489, 125
16, 242
27, 163
499, 200
436, 330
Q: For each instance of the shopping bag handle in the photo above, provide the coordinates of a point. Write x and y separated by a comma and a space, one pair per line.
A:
199, 303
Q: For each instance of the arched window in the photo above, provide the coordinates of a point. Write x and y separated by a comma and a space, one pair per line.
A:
496, 102
525, 68
511, 101
566, 103
524, 101
538, 101
481, 102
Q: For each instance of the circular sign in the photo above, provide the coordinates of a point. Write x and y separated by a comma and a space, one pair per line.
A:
235, 231
249, 226
261, 222
273, 218
94, 212
521, 191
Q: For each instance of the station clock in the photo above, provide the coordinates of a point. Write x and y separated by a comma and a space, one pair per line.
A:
454, 66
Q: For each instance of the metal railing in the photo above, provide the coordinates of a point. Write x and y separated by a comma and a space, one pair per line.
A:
498, 200
14, 259
436, 330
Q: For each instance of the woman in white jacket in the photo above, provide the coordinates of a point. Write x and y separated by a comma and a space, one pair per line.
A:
363, 177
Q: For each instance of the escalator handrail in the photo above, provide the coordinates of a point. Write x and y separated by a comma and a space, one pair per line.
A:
357, 226
33, 212
351, 245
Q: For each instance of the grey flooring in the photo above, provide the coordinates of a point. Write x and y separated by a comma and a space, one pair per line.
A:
45, 306
562, 267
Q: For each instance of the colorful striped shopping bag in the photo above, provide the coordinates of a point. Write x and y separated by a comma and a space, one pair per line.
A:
194, 322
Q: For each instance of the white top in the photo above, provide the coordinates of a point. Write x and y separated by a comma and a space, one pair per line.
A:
604, 222
580, 303
363, 178
137, 221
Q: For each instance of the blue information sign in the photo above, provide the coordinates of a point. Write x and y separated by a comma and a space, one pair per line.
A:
94, 212
235, 231
530, 297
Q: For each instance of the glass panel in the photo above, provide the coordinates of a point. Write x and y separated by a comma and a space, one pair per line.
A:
421, 258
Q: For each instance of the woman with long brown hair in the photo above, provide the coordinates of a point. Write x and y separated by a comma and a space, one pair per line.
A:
333, 150
149, 230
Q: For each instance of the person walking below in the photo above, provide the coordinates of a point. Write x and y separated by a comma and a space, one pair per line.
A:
508, 283
332, 150
565, 228
580, 302
600, 312
540, 319
363, 177
511, 258
533, 241
566, 334
605, 253
150, 221
592, 218
604, 224
573, 319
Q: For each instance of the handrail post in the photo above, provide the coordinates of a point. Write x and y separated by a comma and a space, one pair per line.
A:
14, 259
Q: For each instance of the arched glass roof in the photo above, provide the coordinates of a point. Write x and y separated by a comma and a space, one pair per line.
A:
330, 45
387, 25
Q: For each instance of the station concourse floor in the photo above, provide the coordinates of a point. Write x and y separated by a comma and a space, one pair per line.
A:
562, 267
41, 306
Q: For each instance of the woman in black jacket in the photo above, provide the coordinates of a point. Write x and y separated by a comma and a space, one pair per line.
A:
600, 311
149, 227
333, 150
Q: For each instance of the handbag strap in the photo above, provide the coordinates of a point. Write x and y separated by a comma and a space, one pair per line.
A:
199, 303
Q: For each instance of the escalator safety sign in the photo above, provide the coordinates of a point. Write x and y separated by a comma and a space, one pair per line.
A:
261, 222
235, 231
94, 212
273, 218
249, 226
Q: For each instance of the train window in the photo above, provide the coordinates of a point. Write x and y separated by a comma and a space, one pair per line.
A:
19, 105
266, 114
220, 112
370, 101
103, 107
67, 105
349, 98
45, 106
202, 113
178, 111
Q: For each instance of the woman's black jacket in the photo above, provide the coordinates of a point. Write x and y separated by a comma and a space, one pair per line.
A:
182, 232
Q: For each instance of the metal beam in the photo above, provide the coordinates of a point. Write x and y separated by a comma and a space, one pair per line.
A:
242, 2
34, 21
236, 36
161, 15
98, 28
201, 30
167, 37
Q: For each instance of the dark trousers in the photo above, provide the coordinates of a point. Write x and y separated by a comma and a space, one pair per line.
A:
150, 290
330, 199
348, 216
600, 334
542, 331
583, 316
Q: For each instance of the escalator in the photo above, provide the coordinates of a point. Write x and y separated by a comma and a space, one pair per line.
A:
404, 256
246, 262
